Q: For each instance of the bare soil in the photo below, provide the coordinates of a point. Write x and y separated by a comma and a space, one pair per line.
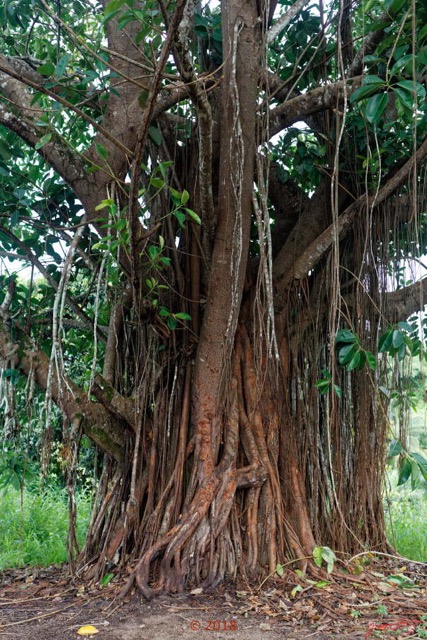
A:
45, 604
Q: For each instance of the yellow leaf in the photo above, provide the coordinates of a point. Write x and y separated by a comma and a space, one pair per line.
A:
87, 630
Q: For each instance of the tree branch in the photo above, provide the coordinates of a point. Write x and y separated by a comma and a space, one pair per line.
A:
369, 44
309, 258
319, 99
279, 25
98, 424
402, 303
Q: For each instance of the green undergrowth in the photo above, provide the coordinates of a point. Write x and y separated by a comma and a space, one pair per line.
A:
406, 518
36, 534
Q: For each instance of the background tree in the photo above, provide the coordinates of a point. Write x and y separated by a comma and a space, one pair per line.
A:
216, 269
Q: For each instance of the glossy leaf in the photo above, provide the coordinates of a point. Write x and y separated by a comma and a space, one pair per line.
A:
347, 353
395, 448
344, 335
357, 361
193, 215
422, 464
405, 471
375, 107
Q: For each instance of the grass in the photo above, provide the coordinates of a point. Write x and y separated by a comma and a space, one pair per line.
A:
36, 535
406, 517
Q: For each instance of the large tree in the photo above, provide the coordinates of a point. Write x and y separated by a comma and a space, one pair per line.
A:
222, 201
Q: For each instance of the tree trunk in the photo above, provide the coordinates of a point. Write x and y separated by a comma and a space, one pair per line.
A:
222, 455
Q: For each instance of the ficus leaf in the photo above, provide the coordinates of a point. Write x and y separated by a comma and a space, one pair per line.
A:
395, 448
405, 471
375, 107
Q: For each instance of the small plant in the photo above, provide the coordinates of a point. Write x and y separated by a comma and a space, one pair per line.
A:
324, 554
382, 610
355, 614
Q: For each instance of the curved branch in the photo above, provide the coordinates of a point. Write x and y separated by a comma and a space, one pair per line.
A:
98, 424
402, 303
319, 99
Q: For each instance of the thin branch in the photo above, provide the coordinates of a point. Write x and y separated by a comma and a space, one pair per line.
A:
9, 71
134, 224
52, 282
281, 24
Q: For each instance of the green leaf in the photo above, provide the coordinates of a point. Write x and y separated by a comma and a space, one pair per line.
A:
107, 579
182, 316
185, 196
62, 65
108, 202
279, 570
102, 151
357, 361
344, 335
371, 85
46, 69
157, 183
405, 471
323, 385
405, 98
421, 463
375, 107
395, 448
180, 216
405, 325
318, 556
193, 215
153, 252
401, 352
113, 5
43, 140
156, 136
371, 360
347, 353
397, 339
172, 323
413, 88
385, 341
322, 584
338, 390
329, 557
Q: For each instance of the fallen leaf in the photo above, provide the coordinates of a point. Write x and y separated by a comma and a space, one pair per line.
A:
385, 587
87, 630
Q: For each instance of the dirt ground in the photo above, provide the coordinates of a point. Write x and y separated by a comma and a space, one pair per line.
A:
46, 605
